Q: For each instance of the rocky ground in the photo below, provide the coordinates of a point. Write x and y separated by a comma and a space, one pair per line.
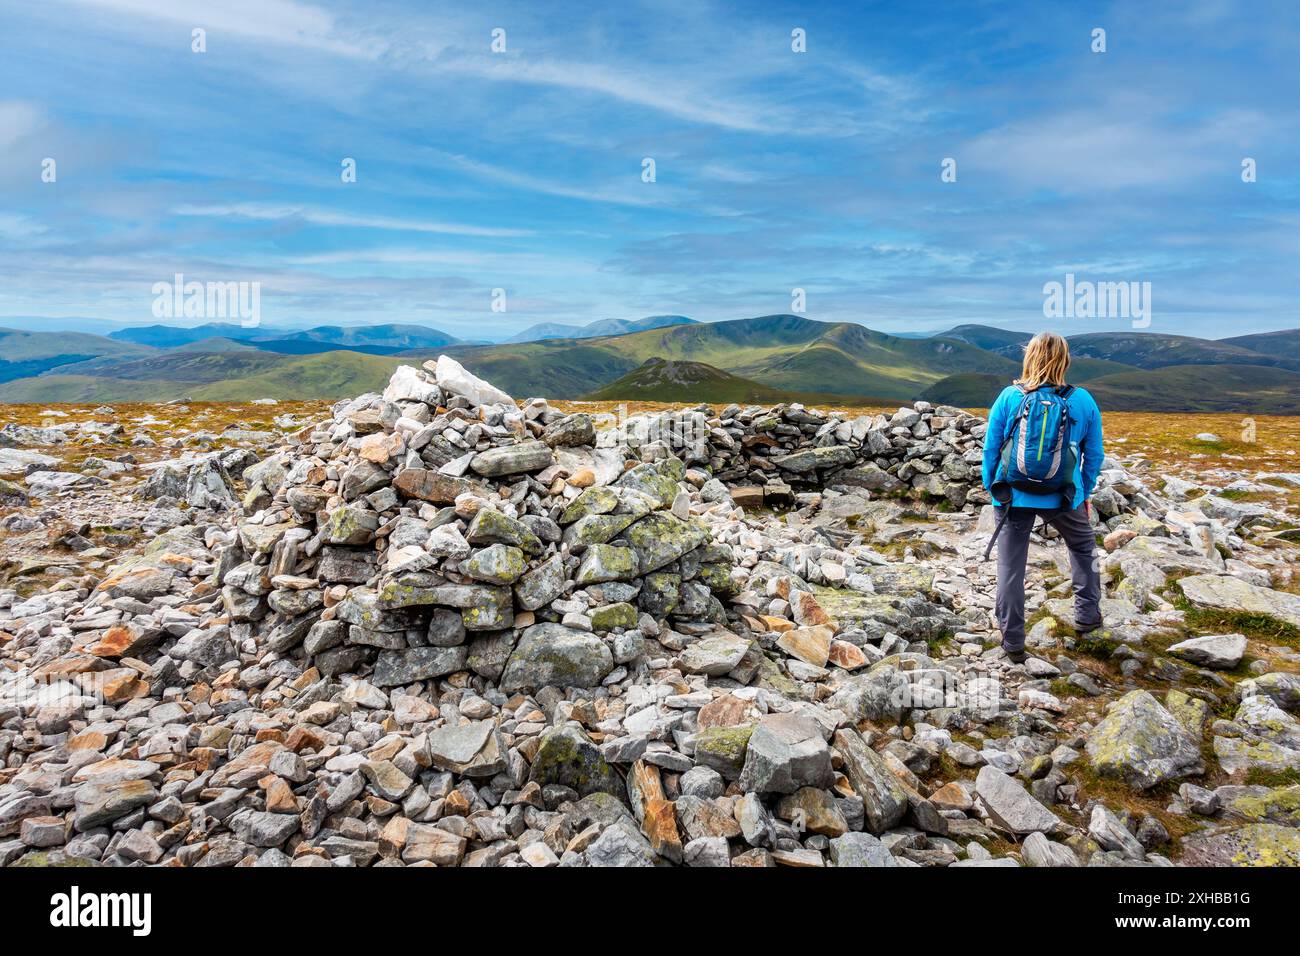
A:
440, 627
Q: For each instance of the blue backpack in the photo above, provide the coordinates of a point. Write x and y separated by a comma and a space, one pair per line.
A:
1037, 455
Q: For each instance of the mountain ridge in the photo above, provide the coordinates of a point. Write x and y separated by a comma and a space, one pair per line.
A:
777, 354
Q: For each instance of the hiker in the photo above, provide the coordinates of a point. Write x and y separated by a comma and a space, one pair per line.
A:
1042, 455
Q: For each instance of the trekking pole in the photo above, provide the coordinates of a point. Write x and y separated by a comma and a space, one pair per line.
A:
1006, 513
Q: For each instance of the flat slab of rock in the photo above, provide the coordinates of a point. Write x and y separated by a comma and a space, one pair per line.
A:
1233, 594
432, 486
16, 461
455, 378
811, 459
1215, 651
411, 664
513, 459
1010, 806
474, 749
714, 654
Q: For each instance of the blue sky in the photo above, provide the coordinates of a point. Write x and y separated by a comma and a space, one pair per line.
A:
775, 170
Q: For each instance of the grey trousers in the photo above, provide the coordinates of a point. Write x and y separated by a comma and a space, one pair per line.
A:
1013, 550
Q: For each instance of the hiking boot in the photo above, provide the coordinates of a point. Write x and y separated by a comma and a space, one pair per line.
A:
1016, 657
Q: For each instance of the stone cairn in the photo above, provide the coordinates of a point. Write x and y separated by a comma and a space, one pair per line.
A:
445, 629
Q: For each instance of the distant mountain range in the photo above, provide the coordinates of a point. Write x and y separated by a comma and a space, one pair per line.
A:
378, 339
660, 358
554, 330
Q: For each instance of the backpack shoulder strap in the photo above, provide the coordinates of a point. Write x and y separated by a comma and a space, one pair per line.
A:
1065, 391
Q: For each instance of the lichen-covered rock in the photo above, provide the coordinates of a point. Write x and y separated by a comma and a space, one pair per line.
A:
607, 562
566, 756
1256, 844
1143, 744
552, 655
492, 527
661, 538
1281, 687
597, 500
1260, 804
397, 667
542, 585
497, 564
351, 525
607, 617
723, 749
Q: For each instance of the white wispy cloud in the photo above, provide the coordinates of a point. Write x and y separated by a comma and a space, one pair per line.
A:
650, 89
276, 212
284, 22
634, 193
1113, 146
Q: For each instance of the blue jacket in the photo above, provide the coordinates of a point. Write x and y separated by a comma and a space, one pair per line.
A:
1085, 433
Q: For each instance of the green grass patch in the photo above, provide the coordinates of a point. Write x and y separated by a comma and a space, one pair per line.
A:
1259, 627
1096, 646
1064, 690
1235, 494
936, 644
1258, 777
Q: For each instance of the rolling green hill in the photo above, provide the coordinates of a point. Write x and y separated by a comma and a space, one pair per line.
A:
786, 352
665, 380
1285, 344
23, 354
966, 390
1238, 389
1244, 389
215, 345
212, 376
988, 337
1157, 350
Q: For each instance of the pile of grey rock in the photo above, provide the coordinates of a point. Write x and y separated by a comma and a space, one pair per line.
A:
763, 453
440, 627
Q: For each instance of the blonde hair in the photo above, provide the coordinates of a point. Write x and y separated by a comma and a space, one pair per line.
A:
1047, 356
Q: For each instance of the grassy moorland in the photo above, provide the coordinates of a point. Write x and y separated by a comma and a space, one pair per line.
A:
1165, 439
